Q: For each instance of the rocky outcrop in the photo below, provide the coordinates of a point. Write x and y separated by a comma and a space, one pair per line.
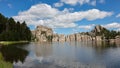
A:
61, 38
117, 40
67, 38
70, 37
43, 34
97, 29
78, 37
98, 38
55, 38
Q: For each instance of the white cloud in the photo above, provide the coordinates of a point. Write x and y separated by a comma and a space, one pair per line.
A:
102, 1
81, 2
118, 15
46, 15
74, 2
112, 25
93, 3
87, 27
59, 4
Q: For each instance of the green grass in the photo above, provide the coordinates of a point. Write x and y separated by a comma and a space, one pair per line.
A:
12, 42
4, 64
1, 57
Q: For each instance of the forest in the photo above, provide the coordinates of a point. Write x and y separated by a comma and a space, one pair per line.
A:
10, 30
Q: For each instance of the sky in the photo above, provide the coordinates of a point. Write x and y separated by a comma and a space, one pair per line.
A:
64, 16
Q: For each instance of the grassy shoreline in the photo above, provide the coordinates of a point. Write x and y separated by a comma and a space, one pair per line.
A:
4, 64
12, 42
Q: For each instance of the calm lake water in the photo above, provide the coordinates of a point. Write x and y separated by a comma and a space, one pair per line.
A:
63, 55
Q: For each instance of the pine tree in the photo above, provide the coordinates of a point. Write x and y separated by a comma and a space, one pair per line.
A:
13, 31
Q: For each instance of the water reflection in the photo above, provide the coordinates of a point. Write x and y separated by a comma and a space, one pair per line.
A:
64, 55
43, 49
13, 53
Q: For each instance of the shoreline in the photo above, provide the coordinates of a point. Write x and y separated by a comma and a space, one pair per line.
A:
12, 42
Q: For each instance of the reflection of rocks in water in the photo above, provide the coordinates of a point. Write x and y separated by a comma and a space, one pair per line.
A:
43, 49
13, 54
103, 44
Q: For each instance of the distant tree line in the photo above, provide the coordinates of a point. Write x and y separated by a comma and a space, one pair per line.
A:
10, 30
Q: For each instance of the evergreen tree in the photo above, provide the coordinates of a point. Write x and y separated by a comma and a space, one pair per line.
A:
13, 31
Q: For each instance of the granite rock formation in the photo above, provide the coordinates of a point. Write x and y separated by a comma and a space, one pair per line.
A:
45, 34
61, 38
55, 38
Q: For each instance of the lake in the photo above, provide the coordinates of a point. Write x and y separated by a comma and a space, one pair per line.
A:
63, 55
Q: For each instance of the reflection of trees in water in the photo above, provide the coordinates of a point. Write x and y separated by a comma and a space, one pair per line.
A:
4, 64
1, 57
102, 47
103, 44
13, 54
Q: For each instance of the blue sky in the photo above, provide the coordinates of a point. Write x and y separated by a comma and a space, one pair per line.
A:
64, 16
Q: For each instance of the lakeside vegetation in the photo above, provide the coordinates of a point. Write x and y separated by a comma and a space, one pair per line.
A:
10, 30
107, 34
12, 42
4, 64
104, 32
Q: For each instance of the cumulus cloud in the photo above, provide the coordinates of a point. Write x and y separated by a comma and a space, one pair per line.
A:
112, 25
93, 3
87, 27
44, 14
118, 15
74, 2
59, 4
102, 1
81, 2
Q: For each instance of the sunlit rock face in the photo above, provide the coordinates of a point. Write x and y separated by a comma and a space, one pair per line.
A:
78, 37
67, 38
43, 33
117, 40
61, 38
55, 38
98, 38
97, 28
70, 37
85, 38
